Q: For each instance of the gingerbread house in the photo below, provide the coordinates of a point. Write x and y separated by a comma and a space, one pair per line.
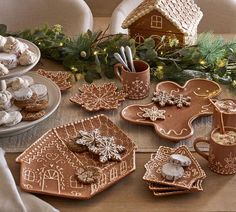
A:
49, 167
172, 18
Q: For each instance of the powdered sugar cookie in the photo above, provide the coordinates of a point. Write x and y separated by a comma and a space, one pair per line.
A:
23, 103
32, 116
3, 117
19, 83
5, 98
8, 60
179, 159
29, 79
14, 46
14, 118
171, 171
3, 40
27, 58
40, 89
3, 70
23, 94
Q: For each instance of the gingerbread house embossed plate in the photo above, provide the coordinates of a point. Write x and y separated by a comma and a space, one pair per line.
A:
177, 124
49, 167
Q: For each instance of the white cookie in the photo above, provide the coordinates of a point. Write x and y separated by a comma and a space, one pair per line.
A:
23, 94
27, 58
8, 60
14, 46
19, 83
5, 96
181, 160
6, 106
3, 40
29, 79
3, 70
171, 171
40, 89
3, 117
14, 118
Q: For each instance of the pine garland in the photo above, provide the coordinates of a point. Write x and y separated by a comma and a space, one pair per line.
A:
90, 54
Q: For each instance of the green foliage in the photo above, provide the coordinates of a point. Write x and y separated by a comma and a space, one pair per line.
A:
90, 54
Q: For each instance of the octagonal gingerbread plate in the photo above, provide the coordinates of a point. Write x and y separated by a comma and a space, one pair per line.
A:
174, 122
49, 167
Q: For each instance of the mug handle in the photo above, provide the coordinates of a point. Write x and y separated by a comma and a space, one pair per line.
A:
117, 69
201, 140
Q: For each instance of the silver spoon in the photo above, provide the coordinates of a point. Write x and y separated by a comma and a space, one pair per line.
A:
130, 58
119, 59
122, 50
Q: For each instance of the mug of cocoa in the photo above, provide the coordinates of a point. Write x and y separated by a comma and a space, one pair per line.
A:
135, 84
222, 150
224, 111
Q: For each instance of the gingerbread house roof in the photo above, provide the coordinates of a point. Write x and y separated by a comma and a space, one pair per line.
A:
184, 14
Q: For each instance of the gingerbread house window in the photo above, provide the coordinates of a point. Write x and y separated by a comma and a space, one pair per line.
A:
139, 39
113, 174
123, 167
29, 175
156, 22
74, 183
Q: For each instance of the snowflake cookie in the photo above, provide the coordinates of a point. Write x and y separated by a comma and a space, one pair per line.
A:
88, 175
107, 150
181, 100
153, 113
88, 138
163, 98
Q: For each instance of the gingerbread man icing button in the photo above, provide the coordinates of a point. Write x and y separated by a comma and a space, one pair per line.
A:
189, 102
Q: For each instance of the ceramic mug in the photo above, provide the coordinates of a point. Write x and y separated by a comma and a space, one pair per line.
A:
229, 119
135, 84
221, 158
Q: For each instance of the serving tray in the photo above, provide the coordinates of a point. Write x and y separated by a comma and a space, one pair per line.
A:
49, 167
177, 124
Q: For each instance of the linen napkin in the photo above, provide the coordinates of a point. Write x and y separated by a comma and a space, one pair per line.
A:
12, 199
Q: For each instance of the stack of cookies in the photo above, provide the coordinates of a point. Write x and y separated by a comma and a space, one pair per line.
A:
173, 171
23, 100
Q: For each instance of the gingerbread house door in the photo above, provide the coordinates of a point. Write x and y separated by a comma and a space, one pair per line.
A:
51, 181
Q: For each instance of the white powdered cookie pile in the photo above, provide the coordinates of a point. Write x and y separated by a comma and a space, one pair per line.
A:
13, 53
173, 170
22, 101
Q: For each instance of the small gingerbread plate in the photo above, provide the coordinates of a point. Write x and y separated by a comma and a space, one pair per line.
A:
61, 78
172, 119
192, 173
99, 97
49, 167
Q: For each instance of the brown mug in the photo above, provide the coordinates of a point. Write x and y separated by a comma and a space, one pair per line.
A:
221, 157
135, 84
228, 118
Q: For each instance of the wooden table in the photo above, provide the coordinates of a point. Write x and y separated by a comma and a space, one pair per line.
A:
132, 195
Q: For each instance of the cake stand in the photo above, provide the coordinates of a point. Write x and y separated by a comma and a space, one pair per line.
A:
54, 94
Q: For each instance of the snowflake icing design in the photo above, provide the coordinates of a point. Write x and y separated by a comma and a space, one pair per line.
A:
94, 98
88, 138
181, 100
153, 113
107, 150
163, 98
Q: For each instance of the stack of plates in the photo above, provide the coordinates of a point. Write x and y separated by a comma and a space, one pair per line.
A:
190, 182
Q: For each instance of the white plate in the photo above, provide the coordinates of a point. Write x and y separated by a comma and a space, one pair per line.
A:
54, 97
19, 70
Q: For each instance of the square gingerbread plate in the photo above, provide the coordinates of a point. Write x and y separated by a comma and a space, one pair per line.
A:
49, 167
192, 173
